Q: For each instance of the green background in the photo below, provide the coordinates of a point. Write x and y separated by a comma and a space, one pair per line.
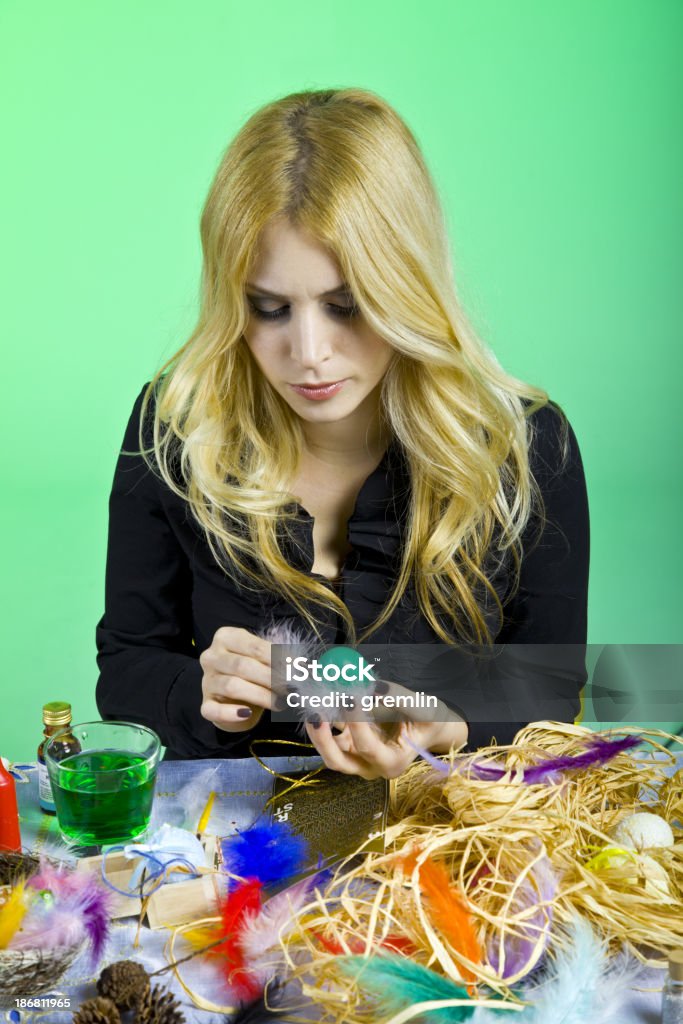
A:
551, 131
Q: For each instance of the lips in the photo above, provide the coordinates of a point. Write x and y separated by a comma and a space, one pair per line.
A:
318, 392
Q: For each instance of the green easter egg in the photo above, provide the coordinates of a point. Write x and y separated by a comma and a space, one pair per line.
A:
354, 670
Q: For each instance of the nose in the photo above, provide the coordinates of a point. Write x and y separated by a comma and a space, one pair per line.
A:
310, 339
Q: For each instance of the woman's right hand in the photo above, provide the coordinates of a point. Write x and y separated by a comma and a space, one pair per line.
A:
236, 685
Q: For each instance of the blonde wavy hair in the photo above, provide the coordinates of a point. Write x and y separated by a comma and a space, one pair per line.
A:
341, 164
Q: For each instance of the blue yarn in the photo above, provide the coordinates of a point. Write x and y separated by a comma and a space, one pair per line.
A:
153, 879
269, 850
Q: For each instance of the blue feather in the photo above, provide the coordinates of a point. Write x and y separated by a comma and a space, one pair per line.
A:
394, 983
581, 985
270, 851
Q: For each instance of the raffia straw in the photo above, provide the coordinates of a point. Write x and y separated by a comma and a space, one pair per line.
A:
488, 835
197, 998
671, 796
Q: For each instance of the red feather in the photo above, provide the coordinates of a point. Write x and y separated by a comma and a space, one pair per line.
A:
241, 905
396, 943
448, 910
400, 944
333, 946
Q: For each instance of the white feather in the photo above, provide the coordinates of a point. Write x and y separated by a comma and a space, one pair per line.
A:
286, 632
303, 645
188, 803
581, 985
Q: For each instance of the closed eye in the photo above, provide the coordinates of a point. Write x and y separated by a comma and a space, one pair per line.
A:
341, 312
266, 314
346, 312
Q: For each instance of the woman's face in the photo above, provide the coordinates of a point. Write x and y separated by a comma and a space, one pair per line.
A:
306, 333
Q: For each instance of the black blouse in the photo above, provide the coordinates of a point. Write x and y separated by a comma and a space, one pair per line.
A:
166, 596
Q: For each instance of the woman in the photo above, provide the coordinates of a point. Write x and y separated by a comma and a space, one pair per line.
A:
333, 446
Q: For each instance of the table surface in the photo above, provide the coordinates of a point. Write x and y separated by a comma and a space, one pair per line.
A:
242, 787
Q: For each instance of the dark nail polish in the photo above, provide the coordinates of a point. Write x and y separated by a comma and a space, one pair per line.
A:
381, 686
315, 721
243, 713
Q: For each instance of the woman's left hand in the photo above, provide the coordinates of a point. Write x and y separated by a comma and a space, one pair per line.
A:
361, 748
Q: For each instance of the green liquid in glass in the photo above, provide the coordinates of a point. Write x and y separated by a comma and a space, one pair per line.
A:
104, 796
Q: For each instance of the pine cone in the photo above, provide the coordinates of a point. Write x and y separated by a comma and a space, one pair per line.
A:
97, 1011
159, 1006
124, 982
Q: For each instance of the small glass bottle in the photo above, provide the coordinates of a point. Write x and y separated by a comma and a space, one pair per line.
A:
672, 993
56, 716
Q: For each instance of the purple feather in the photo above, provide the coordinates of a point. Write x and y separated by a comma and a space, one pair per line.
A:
427, 756
520, 951
598, 752
93, 902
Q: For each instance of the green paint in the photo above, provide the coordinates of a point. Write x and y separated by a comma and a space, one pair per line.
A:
103, 796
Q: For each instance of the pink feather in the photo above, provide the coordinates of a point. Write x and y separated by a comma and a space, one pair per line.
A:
81, 910
260, 938
59, 880
61, 927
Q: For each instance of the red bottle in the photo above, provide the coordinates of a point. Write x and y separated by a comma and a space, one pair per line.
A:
10, 837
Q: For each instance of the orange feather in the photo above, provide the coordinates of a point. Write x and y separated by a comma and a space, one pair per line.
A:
447, 910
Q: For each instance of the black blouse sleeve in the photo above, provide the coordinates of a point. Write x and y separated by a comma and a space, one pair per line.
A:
541, 670
149, 668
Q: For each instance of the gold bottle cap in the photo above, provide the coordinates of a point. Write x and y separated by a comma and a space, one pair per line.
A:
676, 965
57, 712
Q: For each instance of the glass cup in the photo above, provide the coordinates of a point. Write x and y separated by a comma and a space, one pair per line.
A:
104, 794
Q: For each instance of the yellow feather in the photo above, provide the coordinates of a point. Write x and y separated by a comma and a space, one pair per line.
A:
12, 914
203, 936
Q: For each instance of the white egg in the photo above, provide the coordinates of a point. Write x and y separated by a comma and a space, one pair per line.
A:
642, 831
656, 878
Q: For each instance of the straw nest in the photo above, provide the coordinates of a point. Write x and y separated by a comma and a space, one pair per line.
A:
490, 837
27, 973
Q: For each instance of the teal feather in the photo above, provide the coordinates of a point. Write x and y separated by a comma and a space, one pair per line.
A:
394, 983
